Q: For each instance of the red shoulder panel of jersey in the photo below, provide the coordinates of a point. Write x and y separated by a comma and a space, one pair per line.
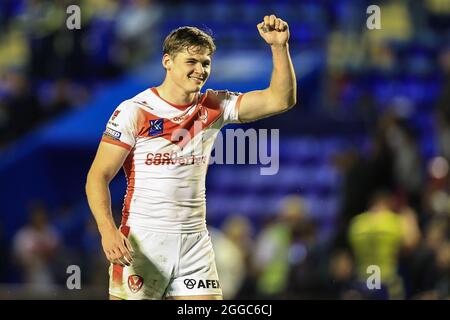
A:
207, 111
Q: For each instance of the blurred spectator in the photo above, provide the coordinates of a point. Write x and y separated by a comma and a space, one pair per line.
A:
136, 31
69, 222
239, 230
61, 100
63, 95
443, 105
438, 14
23, 107
44, 53
34, 247
306, 261
355, 190
340, 282
381, 157
14, 50
271, 259
421, 268
230, 263
442, 287
377, 237
396, 24
407, 165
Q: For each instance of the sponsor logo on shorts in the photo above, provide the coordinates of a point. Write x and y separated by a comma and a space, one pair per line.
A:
135, 283
156, 127
205, 284
112, 133
189, 283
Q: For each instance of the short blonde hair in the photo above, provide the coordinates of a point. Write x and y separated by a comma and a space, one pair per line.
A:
186, 38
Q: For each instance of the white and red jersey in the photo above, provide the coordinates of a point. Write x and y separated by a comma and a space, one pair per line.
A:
170, 146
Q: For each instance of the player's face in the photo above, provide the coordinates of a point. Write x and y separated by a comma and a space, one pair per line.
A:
191, 69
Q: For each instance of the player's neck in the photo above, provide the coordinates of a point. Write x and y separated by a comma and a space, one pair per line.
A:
174, 94
380, 208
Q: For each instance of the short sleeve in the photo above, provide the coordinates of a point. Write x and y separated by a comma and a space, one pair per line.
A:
229, 102
122, 128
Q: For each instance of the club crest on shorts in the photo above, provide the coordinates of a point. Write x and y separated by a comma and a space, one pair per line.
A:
135, 283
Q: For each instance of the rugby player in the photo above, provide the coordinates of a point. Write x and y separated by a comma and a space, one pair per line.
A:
163, 137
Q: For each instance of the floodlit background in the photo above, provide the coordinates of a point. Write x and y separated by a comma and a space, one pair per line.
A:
370, 132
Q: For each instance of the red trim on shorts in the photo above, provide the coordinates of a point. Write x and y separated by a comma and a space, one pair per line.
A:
117, 274
117, 269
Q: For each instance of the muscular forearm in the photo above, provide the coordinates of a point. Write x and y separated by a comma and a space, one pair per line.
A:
283, 85
99, 198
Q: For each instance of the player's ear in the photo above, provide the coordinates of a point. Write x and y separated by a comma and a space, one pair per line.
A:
167, 61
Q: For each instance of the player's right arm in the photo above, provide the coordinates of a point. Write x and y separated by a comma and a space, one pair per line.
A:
108, 160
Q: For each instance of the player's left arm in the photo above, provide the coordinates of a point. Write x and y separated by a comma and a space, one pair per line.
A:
281, 95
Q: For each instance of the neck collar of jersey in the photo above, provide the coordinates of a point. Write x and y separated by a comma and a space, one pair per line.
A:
178, 106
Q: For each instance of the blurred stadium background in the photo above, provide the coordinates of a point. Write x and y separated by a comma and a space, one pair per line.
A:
373, 115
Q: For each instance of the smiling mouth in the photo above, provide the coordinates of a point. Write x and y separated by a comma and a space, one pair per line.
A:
196, 79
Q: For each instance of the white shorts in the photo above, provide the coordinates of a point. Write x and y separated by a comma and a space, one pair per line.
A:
165, 265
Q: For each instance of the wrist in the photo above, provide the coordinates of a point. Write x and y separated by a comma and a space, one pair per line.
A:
106, 227
279, 46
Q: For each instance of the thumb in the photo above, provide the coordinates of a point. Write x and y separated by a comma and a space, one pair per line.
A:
260, 26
